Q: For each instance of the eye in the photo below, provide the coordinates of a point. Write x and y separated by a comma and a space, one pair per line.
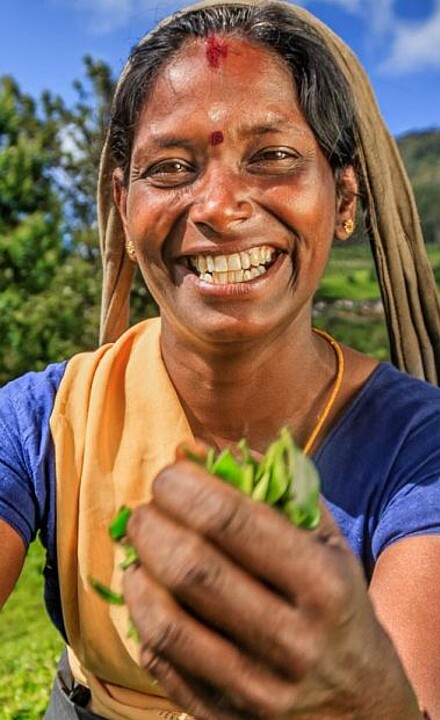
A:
275, 160
169, 173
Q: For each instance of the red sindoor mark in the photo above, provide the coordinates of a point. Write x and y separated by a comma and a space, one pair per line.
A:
216, 138
216, 51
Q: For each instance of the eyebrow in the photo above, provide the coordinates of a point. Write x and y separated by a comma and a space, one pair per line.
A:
167, 141
277, 126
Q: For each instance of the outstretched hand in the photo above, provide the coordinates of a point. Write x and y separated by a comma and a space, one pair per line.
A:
242, 615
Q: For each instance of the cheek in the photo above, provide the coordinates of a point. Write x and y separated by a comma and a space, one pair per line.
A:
306, 207
148, 222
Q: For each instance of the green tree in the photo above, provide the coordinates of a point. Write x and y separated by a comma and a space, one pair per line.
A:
30, 227
82, 129
421, 155
50, 267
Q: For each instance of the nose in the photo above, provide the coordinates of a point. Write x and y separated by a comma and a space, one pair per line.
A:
221, 202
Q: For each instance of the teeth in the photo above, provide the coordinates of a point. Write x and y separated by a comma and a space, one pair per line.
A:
245, 260
236, 262
234, 268
255, 256
220, 263
233, 276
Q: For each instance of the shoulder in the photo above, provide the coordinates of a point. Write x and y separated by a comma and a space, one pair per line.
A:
393, 399
380, 464
29, 399
393, 421
26, 493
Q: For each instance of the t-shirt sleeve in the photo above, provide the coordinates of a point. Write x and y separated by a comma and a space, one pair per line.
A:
412, 503
27, 477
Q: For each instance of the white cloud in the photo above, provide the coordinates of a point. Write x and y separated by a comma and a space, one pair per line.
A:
414, 46
380, 17
408, 45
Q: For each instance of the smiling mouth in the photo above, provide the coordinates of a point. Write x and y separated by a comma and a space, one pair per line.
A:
234, 268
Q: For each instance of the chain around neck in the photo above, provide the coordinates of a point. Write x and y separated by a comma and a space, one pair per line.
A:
334, 392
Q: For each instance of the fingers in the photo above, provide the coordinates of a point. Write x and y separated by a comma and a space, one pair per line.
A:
241, 614
221, 592
198, 700
259, 538
176, 647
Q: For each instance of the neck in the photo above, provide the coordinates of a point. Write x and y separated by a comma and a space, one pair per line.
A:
227, 397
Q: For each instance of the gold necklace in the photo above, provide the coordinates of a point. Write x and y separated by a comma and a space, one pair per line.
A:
333, 395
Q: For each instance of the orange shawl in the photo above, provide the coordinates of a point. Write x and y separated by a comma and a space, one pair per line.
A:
116, 422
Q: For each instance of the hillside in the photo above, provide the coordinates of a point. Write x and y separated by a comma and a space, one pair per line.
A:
421, 156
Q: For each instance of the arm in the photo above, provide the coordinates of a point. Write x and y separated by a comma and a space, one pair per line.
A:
12, 554
405, 591
26, 475
242, 615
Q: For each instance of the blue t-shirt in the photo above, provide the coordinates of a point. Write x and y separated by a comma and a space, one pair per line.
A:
379, 465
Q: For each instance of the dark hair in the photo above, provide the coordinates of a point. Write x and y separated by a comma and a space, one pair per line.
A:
324, 95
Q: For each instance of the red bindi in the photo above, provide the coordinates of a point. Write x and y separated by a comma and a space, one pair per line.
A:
216, 138
216, 51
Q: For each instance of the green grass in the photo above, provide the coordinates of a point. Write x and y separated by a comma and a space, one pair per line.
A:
30, 646
350, 275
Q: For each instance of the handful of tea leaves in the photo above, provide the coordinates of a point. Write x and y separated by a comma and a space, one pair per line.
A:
284, 478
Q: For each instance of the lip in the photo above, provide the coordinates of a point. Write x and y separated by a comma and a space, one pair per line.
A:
229, 290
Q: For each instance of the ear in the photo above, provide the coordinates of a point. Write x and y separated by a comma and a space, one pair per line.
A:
346, 196
120, 196
120, 193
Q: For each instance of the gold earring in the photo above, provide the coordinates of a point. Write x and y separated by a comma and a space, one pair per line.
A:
348, 226
131, 251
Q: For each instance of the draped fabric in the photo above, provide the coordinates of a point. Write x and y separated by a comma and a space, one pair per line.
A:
406, 281
116, 423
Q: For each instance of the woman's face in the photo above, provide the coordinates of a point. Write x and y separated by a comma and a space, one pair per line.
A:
231, 204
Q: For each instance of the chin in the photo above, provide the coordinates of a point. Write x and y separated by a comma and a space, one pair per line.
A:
227, 330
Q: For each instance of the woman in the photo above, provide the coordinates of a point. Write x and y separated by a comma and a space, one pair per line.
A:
234, 159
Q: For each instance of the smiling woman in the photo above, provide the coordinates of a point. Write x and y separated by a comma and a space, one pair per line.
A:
268, 180
242, 137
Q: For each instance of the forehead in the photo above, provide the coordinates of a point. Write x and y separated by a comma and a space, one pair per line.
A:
216, 73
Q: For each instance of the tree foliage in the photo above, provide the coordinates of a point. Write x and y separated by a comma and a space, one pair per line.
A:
31, 250
50, 268
421, 155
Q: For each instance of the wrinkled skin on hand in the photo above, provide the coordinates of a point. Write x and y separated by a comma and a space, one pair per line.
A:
242, 615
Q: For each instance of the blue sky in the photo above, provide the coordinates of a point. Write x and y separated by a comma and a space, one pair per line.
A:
42, 43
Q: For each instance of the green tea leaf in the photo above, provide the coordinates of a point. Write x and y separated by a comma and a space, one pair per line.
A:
303, 504
131, 556
106, 593
118, 527
260, 490
227, 467
284, 478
